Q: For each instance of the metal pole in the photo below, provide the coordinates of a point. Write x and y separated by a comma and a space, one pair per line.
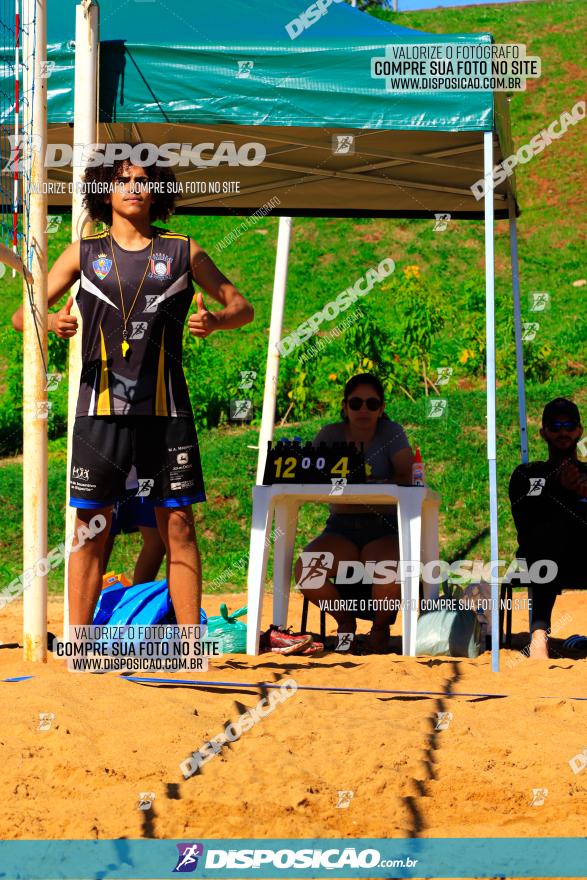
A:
34, 416
85, 131
518, 331
275, 328
491, 403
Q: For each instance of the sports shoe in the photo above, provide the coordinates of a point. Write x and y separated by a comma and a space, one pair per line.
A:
313, 649
279, 640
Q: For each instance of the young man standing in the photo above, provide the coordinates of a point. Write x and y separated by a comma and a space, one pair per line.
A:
133, 409
549, 507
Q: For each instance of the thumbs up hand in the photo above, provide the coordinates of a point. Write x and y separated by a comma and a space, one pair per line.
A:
202, 322
64, 324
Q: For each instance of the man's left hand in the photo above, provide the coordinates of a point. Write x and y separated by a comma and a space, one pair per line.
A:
202, 322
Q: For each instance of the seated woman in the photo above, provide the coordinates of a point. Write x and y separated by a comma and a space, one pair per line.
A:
363, 532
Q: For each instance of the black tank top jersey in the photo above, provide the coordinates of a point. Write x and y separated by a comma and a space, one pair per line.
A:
149, 380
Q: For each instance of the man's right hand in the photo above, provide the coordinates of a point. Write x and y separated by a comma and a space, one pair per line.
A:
572, 479
63, 323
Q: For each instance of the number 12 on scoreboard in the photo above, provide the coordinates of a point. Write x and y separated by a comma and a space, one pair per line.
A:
288, 471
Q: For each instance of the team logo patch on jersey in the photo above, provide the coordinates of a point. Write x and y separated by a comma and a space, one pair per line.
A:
160, 266
102, 266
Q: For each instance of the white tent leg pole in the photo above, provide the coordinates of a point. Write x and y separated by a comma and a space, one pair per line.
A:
275, 329
34, 507
491, 405
518, 332
85, 131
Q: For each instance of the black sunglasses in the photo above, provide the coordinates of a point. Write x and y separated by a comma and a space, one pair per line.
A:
557, 426
355, 403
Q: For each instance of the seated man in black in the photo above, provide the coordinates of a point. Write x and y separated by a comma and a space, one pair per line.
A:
549, 506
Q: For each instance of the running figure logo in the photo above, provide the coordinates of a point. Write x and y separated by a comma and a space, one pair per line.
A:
344, 799
436, 407
343, 143
338, 485
537, 484
540, 302
146, 799
245, 69
538, 797
315, 569
441, 222
240, 410
444, 374
443, 720
344, 642
144, 488
529, 331
187, 860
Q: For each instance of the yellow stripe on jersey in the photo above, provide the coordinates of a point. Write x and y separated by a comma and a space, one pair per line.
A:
103, 408
173, 235
161, 391
94, 236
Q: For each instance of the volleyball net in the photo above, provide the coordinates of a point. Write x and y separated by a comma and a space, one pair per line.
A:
17, 84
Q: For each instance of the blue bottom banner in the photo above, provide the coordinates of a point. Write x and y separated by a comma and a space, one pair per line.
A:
327, 857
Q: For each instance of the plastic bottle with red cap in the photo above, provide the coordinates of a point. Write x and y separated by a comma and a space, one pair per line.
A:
418, 469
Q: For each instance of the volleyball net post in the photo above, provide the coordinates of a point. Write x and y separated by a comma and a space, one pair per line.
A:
34, 253
85, 131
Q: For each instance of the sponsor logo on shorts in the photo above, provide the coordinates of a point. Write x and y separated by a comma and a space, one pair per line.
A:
182, 457
183, 484
80, 473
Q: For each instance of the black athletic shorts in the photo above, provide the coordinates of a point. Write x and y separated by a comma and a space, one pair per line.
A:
163, 450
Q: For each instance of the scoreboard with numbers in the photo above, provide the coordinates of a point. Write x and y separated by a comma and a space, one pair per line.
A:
304, 463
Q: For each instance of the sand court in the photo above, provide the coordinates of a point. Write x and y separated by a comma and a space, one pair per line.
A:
436, 765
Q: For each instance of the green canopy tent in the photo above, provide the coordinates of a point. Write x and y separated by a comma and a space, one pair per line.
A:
231, 72
228, 72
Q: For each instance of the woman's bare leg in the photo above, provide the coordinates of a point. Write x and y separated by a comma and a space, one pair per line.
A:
324, 590
382, 549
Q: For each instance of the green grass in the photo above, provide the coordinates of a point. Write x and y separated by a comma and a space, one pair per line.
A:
329, 254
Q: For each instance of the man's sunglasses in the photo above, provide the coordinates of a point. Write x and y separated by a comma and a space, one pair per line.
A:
355, 403
558, 426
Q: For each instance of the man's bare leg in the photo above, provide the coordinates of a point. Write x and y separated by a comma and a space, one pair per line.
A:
184, 568
151, 556
85, 567
108, 546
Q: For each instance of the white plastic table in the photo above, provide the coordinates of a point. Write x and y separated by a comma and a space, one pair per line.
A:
418, 542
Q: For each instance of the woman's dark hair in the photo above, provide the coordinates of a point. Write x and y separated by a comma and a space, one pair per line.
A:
363, 379
162, 195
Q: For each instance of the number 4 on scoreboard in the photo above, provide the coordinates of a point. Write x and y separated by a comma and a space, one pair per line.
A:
341, 468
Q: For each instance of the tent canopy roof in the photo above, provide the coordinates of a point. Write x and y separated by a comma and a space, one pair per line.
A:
179, 77
184, 67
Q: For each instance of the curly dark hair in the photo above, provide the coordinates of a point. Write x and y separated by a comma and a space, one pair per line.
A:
162, 203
